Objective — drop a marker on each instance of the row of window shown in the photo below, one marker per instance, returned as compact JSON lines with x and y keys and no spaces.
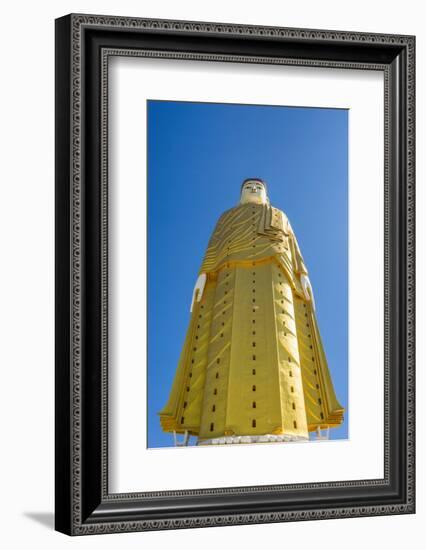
{"x":253,"y":424}
{"x":253,"y":357}
{"x":315,"y":370}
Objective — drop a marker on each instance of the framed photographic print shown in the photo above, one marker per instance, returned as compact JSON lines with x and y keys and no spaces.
{"x":234,"y":274}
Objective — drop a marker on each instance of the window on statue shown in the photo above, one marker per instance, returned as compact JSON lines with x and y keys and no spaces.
{"x":295,"y":424}
{"x":254,"y":404}
{"x":254,"y":388}
{"x":253,"y":424}
{"x":211,"y":427}
{"x":213,"y":408}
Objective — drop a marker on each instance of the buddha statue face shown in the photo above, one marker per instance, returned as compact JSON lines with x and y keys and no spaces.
{"x":253,"y":191}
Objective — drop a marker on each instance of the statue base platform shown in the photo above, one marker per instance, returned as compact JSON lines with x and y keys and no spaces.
{"x":238,"y":439}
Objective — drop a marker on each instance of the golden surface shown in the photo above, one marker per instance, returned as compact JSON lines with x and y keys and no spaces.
{"x":252,"y":362}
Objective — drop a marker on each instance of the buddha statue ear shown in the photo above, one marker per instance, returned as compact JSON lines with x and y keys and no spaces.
{"x":268,"y":202}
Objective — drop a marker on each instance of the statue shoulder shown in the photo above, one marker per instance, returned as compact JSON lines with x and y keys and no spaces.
{"x":280,"y":215}
{"x":230,"y":210}
{"x":226,"y":215}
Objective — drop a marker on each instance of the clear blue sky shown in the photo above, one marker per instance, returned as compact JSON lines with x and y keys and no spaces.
{"x":198,"y":155}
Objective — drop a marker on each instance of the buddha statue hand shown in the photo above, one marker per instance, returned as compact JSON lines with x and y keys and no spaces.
{"x":307,"y":289}
{"x":197,"y":293}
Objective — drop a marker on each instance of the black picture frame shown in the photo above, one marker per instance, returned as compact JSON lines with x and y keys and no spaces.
{"x":83,"y":45}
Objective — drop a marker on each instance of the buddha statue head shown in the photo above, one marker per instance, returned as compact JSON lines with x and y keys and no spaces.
{"x":253,"y":190}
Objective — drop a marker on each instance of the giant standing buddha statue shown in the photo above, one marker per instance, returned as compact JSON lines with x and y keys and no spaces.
{"x":252,"y":368}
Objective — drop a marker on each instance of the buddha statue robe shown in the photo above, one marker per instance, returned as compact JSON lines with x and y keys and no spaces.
{"x":253,"y":364}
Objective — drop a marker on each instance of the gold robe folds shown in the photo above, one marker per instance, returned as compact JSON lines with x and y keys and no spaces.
{"x":252,"y":362}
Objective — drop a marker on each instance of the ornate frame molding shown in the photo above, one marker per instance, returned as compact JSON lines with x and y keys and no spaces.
{"x":86,"y":507}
